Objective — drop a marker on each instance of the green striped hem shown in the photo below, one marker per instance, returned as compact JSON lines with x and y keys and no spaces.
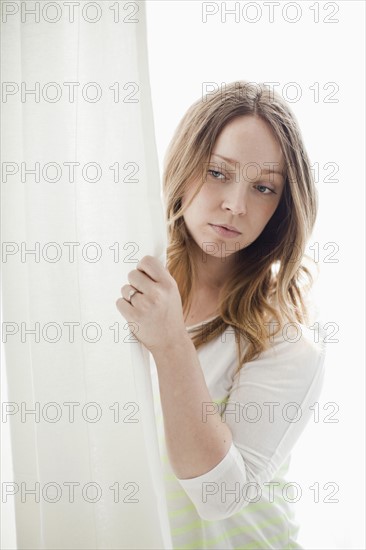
{"x":231,"y":532}
{"x":259,"y":545}
{"x":254,"y":507}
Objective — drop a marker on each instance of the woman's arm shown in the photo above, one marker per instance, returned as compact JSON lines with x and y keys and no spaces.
{"x":280,"y":388}
{"x":195,"y":442}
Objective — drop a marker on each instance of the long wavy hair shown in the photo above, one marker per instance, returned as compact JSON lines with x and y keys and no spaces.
{"x":269,"y":282}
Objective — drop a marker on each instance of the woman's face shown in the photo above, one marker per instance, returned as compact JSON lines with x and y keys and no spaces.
{"x":243,"y":193}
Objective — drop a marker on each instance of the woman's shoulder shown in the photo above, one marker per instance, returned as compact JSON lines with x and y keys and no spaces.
{"x":295,"y":351}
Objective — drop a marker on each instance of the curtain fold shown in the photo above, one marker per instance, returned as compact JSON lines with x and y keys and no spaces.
{"x":86,"y":461}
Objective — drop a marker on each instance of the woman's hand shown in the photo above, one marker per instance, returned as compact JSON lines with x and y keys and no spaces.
{"x":156,"y":308}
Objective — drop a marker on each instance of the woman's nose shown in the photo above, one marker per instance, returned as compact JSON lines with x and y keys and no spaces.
{"x":236,"y":201}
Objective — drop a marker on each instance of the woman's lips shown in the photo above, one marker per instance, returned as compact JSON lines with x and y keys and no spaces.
{"x":224,"y":232}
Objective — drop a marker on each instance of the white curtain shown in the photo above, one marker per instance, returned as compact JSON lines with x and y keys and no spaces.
{"x":86,"y":463}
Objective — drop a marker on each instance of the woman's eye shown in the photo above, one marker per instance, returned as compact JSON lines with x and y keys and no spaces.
{"x":261,"y":188}
{"x":265,"y":187}
{"x":214,"y":174}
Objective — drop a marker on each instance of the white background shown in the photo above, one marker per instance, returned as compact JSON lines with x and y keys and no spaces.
{"x":184,"y":53}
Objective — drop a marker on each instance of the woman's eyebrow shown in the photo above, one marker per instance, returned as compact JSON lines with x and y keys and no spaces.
{"x":271,"y":171}
{"x":263,"y":170}
{"x":230,"y":161}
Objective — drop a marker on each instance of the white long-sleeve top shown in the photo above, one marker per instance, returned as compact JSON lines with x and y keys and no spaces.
{"x":245,"y":501}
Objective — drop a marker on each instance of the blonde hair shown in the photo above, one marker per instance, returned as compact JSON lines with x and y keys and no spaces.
{"x":269,"y":279}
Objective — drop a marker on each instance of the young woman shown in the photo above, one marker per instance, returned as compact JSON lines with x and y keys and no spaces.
{"x":227,"y":321}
